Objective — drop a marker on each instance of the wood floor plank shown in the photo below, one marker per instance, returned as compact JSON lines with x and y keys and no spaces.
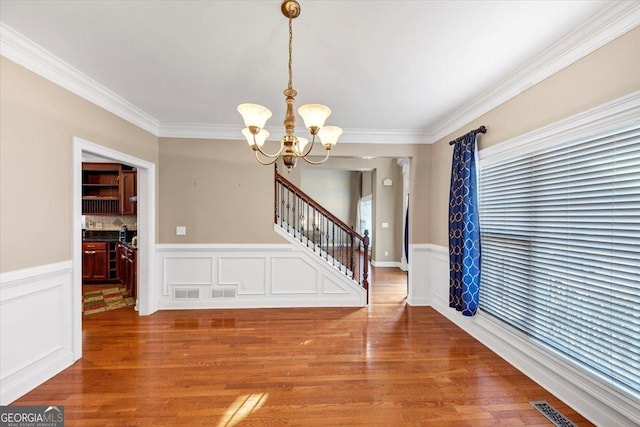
{"x":387,"y":365}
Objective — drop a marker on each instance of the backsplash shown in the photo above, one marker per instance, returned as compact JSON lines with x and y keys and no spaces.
{"x":110,"y":222}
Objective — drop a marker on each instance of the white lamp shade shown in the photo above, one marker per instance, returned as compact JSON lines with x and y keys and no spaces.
{"x":329,"y":135}
{"x":302,"y":144}
{"x":260,"y":137}
{"x":314,"y":114}
{"x":254,"y":114}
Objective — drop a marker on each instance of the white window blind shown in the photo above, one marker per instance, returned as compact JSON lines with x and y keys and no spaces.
{"x":561,"y":250}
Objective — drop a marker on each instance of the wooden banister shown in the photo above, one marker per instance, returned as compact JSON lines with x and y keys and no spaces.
{"x":288,"y":184}
{"x":333,"y":238}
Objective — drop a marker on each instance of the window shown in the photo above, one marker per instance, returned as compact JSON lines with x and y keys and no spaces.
{"x":365,"y":221}
{"x":561,"y":249}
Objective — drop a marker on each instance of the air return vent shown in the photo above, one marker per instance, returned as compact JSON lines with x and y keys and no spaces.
{"x":552,"y":414}
{"x":186,"y":293}
{"x":224,"y":292}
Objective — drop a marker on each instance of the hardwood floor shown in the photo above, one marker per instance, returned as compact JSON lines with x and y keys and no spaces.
{"x":386,"y":365}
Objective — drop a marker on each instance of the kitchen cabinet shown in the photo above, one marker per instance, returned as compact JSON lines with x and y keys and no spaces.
{"x":128,"y":189}
{"x":94,"y":261}
{"x":107,"y":189}
{"x":127,"y":268}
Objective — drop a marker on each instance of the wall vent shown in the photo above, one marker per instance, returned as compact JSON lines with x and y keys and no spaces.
{"x":224,"y":292}
{"x":186,"y":293}
{"x":552,"y":414}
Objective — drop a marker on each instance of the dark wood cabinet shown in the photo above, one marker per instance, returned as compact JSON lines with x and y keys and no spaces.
{"x":127,"y":268}
{"x":107,"y":189}
{"x":94,"y":261}
{"x":128,"y":189}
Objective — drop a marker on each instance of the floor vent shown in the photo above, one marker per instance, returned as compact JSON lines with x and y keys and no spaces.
{"x":552,"y":414}
{"x":186,"y":293}
{"x":224,"y":292}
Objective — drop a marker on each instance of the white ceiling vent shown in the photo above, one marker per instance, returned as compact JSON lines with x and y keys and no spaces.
{"x":224,"y":292}
{"x":186,"y":293}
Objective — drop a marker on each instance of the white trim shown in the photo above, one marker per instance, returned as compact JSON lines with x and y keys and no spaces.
{"x":350,"y":135}
{"x":595,"y":33}
{"x":600,"y":30}
{"x":618,"y":113}
{"x":200,"y":131}
{"x":227,"y":247}
{"x":395,"y":264}
{"x":147,"y":302}
{"x":41,"y":346}
{"x":17,"y":277}
{"x":32,"y":56}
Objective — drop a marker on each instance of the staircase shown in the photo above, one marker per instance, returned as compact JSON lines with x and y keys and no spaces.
{"x":305,"y":222}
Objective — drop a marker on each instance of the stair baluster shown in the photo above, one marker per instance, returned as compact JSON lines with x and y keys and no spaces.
{"x":321,"y":231}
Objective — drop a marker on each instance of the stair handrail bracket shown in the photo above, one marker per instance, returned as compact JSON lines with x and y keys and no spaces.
{"x":320,"y":231}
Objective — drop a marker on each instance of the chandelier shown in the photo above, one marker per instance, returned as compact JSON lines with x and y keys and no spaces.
{"x":314,"y":115}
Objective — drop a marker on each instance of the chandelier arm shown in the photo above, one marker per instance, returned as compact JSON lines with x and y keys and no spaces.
{"x":269,"y":162}
{"x":310,"y":146}
{"x":319,"y":162}
{"x":271,"y":156}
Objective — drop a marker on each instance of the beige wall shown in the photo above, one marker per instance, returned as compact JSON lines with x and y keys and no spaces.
{"x":336,"y":190}
{"x":366,"y":188}
{"x":387,"y":209}
{"x":222,"y":195}
{"x":217,"y":190}
{"x":606,"y":74}
{"x":387,"y":201}
{"x":38,"y":122}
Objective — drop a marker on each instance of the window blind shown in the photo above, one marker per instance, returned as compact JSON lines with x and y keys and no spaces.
{"x":561,"y":250}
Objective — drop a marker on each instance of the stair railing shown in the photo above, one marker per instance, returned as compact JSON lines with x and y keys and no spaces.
{"x":321,"y":231}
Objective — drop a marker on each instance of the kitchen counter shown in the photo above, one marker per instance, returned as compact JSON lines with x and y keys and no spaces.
{"x":108,"y":236}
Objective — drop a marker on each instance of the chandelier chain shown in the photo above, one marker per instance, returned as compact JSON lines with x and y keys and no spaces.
{"x":290,"y":50}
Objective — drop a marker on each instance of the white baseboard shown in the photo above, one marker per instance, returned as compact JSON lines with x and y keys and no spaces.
{"x":395,"y":264}
{"x":35,"y":327}
{"x":586,"y":393}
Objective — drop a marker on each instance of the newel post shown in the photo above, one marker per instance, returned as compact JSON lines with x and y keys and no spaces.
{"x":365,"y":267}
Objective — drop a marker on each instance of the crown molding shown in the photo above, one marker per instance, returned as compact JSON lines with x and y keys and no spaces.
{"x":616,"y":20}
{"x":200,"y":131}
{"x":232,"y":132}
{"x":595,"y":33}
{"x":386,"y":136}
{"x":617,"y":114}
{"x":33,"y":57}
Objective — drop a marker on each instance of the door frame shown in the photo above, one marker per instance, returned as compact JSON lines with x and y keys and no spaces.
{"x":147,"y":302}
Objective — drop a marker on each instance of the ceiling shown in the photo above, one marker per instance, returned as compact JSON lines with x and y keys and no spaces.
{"x":392,"y":71}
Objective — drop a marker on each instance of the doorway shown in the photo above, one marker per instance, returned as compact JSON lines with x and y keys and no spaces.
{"x":147,"y":297}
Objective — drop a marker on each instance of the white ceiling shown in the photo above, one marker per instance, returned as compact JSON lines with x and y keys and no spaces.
{"x":398,"y":71}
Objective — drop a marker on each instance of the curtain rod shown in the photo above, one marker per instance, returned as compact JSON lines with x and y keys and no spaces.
{"x":481,"y":129}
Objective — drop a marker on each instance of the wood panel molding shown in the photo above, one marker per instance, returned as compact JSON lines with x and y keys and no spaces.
{"x":251,"y":276}
{"x":35,"y":327}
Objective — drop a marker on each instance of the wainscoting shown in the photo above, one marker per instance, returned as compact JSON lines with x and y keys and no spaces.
{"x":250,"y":276}
{"x":35,"y":327}
{"x":586,"y":393}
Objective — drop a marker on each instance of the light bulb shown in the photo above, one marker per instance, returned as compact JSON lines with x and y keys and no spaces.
{"x":314,"y":115}
{"x":254,"y":115}
{"x":329,"y":135}
{"x":260,"y":137}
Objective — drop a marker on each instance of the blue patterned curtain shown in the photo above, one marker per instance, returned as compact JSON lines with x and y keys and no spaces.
{"x":464,"y":228}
